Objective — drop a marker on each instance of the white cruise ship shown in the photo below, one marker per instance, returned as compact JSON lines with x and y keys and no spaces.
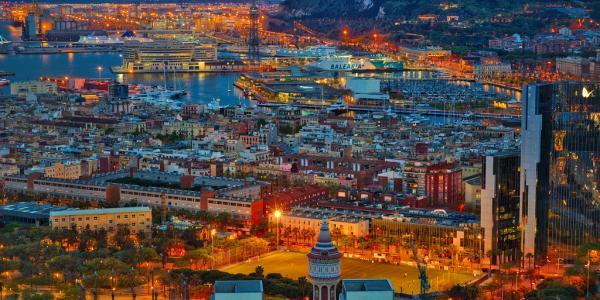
{"x":4,"y":45}
{"x":313,"y":51}
{"x":341,"y":63}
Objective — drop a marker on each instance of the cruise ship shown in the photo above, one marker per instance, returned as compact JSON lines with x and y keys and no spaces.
{"x":104,"y":40}
{"x":313,"y":51}
{"x":349,"y":63}
{"x":4,"y":45}
{"x":341,"y":63}
{"x":166,"y":56}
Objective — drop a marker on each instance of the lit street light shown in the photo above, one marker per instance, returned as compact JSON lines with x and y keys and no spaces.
{"x":277,"y":215}
{"x":99,"y":72}
{"x":213,"y":232}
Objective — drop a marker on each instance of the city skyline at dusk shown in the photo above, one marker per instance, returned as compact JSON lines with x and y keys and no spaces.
{"x":299,"y":149}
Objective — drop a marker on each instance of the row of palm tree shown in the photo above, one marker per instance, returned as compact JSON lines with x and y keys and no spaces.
{"x":298,"y":235}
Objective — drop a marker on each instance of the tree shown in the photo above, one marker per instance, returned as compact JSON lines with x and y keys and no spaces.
{"x":302,"y":284}
{"x":287,"y":232}
{"x":69,"y":266}
{"x":469,"y":292}
{"x":122,"y":237}
{"x":190,"y":237}
{"x":260,"y":228}
{"x":30,"y":294}
{"x":556,"y":289}
{"x":199,"y":255}
{"x":336,"y":233}
{"x":258,"y":272}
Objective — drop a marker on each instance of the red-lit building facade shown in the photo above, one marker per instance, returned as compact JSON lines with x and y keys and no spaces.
{"x":443,"y":184}
{"x":295,"y":196}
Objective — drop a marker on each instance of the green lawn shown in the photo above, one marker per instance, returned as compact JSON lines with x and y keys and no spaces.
{"x":294,"y":265}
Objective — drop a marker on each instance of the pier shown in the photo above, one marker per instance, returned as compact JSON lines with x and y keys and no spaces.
{"x":428,"y":112}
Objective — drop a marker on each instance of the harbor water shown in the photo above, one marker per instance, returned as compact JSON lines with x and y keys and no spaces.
{"x":201,"y":87}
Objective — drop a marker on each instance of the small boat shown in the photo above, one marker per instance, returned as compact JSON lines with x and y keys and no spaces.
{"x":4,"y":82}
{"x":339,"y":107}
{"x":246,"y":92}
{"x":215,"y":104}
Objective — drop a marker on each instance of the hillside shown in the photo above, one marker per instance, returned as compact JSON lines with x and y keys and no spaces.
{"x":395,"y":8}
{"x":479,"y":20}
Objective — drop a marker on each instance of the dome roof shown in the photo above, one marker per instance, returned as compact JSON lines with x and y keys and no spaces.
{"x":324,"y":248}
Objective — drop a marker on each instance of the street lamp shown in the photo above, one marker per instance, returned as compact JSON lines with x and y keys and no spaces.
{"x":587,"y":279}
{"x":99,"y":72}
{"x":277,"y":215}
{"x":480,"y":246}
{"x":213,"y":232}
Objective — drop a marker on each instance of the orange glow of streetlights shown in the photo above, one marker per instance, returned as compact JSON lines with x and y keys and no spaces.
{"x":374,"y":35}
{"x":277,"y":215}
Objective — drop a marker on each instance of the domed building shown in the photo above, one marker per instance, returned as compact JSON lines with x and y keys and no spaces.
{"x":324,"y":267}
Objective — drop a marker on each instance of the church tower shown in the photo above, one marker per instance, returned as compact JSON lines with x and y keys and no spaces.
{"x":324,"y":268}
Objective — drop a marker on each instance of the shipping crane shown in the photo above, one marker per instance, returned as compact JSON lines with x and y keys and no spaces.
{"x":422,"y":266}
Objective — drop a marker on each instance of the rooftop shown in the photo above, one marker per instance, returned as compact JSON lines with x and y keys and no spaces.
{"x":238,"y":286}
{"x":29,"y":208}
{"x":366,"y":285}
{"x":99,"y":211}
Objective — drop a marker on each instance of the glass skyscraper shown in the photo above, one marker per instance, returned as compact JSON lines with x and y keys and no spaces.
{"x":500,"y":206}
{"x":560,"y":160}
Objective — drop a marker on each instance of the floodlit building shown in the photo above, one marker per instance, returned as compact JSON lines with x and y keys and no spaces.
{"x":24,"y":88}
{"x":138,"y":219}
{"x":500,"y":206}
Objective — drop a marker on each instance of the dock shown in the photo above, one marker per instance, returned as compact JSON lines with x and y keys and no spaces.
{"x":5,"y":73}
{"x":429,"y":112}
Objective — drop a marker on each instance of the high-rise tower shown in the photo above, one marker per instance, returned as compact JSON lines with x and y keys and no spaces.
{"x":560,"y":159}
{"x":324,"y":267}
{"x":253,"y":38}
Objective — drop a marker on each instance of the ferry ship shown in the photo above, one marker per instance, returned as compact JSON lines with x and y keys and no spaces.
{"x":166,"y":56}
{"x":104,"y":40}
{"x":349,"y":63}
{"x":340,"y":63}
{"x":313,"y":51}
{"x":4,"y":45}
{"x":97,"y":40}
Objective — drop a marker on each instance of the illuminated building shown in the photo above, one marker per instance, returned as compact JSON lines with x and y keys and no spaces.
{"x":23,"y":88}
{"x":491,"y":71}
{"x":30,"y":28}
{"x":443,"y":184}
{"x":560,"y":159}
{"x":500,"y":206}
{"x":166,"y":56}
{"x":138,"y":219}
{"x":429,"y":229}
{"x":572,"y":65}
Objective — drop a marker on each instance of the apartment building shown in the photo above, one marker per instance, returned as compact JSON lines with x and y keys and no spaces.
{"x":138,"y":219}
